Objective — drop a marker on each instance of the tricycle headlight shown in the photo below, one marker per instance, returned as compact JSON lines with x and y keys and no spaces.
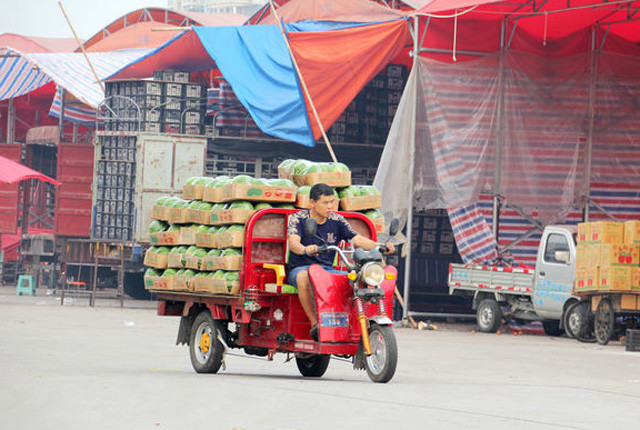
{"x":373,"y":274}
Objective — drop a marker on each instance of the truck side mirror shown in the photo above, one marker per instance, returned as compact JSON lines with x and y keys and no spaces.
{"x":394,"y":227}
{"x":563,"y":256}
{"x":310,"y":227}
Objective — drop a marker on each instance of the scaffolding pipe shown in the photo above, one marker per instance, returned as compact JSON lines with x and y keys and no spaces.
{"x":11,"y":121}
{"x":412,"y":149}
{"x":497,"y":178}
{"x":592,"y":114}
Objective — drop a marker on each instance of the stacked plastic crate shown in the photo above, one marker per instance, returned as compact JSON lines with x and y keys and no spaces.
{"x":115,"y":183}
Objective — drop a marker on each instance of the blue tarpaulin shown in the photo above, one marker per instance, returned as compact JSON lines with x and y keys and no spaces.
{"x":257,"y":64}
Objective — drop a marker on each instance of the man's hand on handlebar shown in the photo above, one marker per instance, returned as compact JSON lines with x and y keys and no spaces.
{"x":310,"y":249}
{"x":388,"y":248}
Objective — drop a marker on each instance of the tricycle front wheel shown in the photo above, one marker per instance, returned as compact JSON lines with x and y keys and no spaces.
{"x":381,"y":364}
{"x":205,"y":348}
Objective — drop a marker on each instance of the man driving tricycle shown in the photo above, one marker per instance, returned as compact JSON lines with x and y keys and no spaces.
{"x":332,"y":228}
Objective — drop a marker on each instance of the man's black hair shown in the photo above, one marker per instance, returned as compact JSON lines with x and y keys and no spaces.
{"x":319,"y":190}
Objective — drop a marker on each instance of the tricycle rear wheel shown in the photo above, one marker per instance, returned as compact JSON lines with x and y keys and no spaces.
{"x":313,"y":366}
{"x":205,"y":348}
{"x":381,"y":364}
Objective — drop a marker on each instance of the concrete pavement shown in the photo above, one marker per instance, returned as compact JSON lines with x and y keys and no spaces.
{"x":76,"y":367}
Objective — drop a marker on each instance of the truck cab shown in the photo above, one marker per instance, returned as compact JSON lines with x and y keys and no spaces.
{"x":555,"y":271}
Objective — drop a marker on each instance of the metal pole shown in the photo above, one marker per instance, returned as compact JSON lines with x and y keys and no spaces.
{"x":592,"y":113}
{"x":412,"y":150}
{"x":497,"y":178}
{"x":304,"y":84}
{"x":121,"y":286}
{"x":11,"y":121}
{"x":86,"y":57}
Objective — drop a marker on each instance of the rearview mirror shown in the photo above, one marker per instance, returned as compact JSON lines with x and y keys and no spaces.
{"x":563,"y":256}
{"x":394,"y":227}
{"x":310,"y":227}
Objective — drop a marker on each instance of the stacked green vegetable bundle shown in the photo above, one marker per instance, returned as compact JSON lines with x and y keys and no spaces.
{"x":352,"y":198}
{"x":198,"y":243}
{"x":198,"y":240}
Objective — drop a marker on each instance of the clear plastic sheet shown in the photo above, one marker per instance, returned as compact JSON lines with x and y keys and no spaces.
{"x":540,"y":135}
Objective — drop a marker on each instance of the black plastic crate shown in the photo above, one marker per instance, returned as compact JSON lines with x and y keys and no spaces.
{"x":173,"y":89}
{"x":171,"y":76}
{"x":148,"y":101}
{"x":172,"y":115}
{"x":172,"y":103}
{"x":171,"y":127}
{"x":191,"y":118}
{"x":192,"y":91}
{"x":192,"y":129}
{"x":633,"y":340}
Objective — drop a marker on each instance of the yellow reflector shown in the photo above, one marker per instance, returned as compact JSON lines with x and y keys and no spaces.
{"x":352,"y":276}
{"x":390,"y":276}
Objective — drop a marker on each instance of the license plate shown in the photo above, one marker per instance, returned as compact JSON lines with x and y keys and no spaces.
{"x":334,"y":319}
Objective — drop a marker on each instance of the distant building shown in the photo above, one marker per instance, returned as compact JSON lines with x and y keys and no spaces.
{"x":243,"y":7}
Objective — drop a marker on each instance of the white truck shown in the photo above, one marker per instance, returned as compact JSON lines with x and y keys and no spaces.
{"x":524,"y":295}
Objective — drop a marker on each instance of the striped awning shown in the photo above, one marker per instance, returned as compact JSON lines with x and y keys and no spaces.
{"x":21,"y":73}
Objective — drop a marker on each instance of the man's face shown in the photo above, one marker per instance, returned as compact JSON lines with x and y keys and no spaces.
{"x":324,"y":205}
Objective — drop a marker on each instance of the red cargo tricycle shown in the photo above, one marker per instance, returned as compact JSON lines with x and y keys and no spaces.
{"x":266,"y":317}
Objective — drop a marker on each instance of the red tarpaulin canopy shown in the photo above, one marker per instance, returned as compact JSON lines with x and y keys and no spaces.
{"x":11,"y":172}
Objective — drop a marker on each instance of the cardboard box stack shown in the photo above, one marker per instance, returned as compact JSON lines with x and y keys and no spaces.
{"x":351,"y":198}
{"x":608,"y":256}
{"x":198,"y":243}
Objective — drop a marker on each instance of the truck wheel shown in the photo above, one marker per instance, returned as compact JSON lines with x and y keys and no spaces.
{"x":552,"y":328}
{"x":205,"y":348}
{"x":604,"y":322}
{"x":313,"y":366}
{"x":381,"y":364}
{"x":489,"y":316}
{"x":577,"y":322}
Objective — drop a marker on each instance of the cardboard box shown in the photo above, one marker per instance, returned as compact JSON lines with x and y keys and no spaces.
{"x":213,"y":195}
{"x":583,"y":233}
{"x":160,"y":212}
{"x":174,"y":283}
{"x":192,"y":262}
{"x":232,"y":262}
{"x":635,"y":279}
{"x":606,"y":232}
{"x":303,"y":201}
{"x":285,"y":173}
{"x":361,"y":203}
{"x":230,"y":216}
{"x":210,"y":263}
{"x":186,"y":236}
{"x":580,"y":281}
{"x":193,"y":191}
{"x":581,"y":256}
{"x":333,"y":179}
{"x":177,"y":261}
{"x":632,"y":232}
{"x":592,"y":278}
{"x":152,"y":259}
{"x":206,"y":240}
{"x":230,"y":239}
{"x":615,"y":278}
{"x":150,"y":281}
{"x":378,"y":224}
{"x":617,"y":254}
{"x":198,"y":216}
{"x":178,"y":215}
{"x":209,"y":285}
{"x":260,"y":193}
{"x":628,"y":302}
